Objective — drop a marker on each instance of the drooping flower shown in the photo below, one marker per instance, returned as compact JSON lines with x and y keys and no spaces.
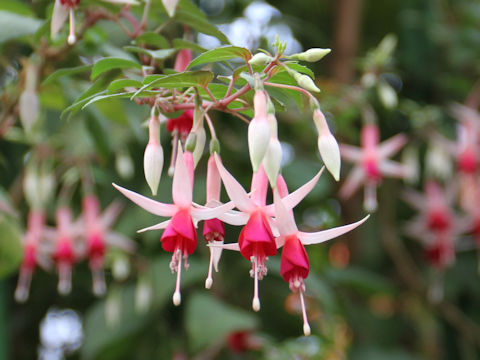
{"x":213,"y":229}
{"x":294,"y":265}
{"x":31,"y":256}
{"x":327,"y":145}
{"x":372,"y":164}
{"x":258,"y":130}
{"x":256,"y":241}
{"x":98,"y":236}
{"x":179,"y":236}
{"x":153,"y":157}
{"x":64,"y":255}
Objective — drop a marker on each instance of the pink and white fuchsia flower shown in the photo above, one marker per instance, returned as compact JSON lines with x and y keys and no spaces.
{"x":257,"y":240}
{"x":294,"y":265}
{"x":180,"y":236}
{"x":372,"y":164}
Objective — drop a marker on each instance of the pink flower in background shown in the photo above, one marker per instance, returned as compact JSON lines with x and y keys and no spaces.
{"x":372,"y":164}
{"x":256,"y":241}
{"x":96,"y":229}
{"x":31,"y":255}
{"x":294,"y":265}
{"x":180,"y":236}
{"x":64,"y":255}
{"x":183,"y":58}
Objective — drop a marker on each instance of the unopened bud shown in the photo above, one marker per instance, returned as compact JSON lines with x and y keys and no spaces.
{"x":327,"y":145}
{"x":387,"y":95}
{"x":260,"y":59}
{"x":143,"y":296}
{"x":121,"y":268}
{"x":258,"y":140}
{"x":272,"y":160}
{"x":214,"y":146}
{"x":124,"y":165}
{"x":152,"y":165}
{"x":191,"y":142}
{"x":200,"y":146}
{"x":305,"y":82}
{"x":312,"y":55}
{"x":28,"y":106}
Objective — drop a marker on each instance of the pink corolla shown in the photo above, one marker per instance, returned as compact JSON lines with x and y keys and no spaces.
{"x":294,"y":265}
{"x":31,"y":254}
{"x":256,"y":241}
{"x":372,"y":163}
{"x":179,"y":236}
{"x":182,"y":60}
{"x":96,"y":229}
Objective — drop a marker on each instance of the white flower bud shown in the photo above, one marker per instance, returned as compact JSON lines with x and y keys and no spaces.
{"x":313,"y":55}
{"x":327,"y":145}
{"x":305,"y":82}
{"x":387,"y":95}
{"x":258,"y":140}
{"x":272,"y":160}
{"x":28,"y":106}
{"x":260,"y":59}
{"x":152,"y":165}
{"x":143,"y":296}
{"x":199,"y":146}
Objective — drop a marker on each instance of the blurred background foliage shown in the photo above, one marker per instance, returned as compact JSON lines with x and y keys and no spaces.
{"x":361,"y":299}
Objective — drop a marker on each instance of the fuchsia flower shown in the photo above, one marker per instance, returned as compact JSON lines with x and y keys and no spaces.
{"x":182,"y":124}
{"x":294,"y":265}
{"x":436,"y":225}
{"x":61,"y":10}
{"x":180,"y":236}
{"x":256,"y":241}
{"x":98,"y":237}
{"x":468,"y":136}
{"x":182,"y":60}
{"x":371,"y":164}
{"x":31,"y":256}
{"x":63,"y":254}
{"x":213,"y":229}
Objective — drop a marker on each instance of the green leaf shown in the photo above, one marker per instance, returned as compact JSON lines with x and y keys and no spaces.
{"x":110,"y":63}
{"x":152,"y":39}
{"x":65,"y":72}
{"x":10,"y":246}
{"x":208,"y":320}
{"x":300,"y":68}
{"x":15,"y":25}
{"x":156,"y":54}
{"x":120,"y":84}
{"x":221,"y":54}
{"x":96,"y":98}
{"x":180,"y":80}
{"x":200,"y":24}
{"x":185,"y":44}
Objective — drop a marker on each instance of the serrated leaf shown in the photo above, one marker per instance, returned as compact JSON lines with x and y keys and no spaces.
{"x":15,"y":25}
{"x":180,"y":80}
{"x":65,"y":72}
{"x":152,"y":39}
{"x":120,"y":84}
{"x":110,"y":63}
{"x":156,"y":54}
{"x":185,"y":44}
{"x":200,"y":24}
{"x":221,"y":54}
{"x":202,"y":308}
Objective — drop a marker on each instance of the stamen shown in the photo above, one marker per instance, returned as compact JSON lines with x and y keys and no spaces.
{"x":98,"y":279}
{"x":64,"y":278}
{"x":306,"y":326}
{"x":209,"y":280}
{"x":171,"y":168}
{"x":23,"y":286}
{"x":177,"y":298}
{"x":71,"y":36}
{"x":256,"y":300}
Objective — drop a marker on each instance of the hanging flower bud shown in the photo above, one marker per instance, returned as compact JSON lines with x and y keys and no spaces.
{"x":143,"y":295}
{"x":273,"y":157}
{"x":387,"y":95}
{"x":258,"y":130}
{"x":327,"y":145}
{"x":28,"y":103}
{"x":260,"y":59}
{"x":120,"y":267}
{"x":153,"y":157}
{"x":311,"y":55}
{"x":305,"y":82}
